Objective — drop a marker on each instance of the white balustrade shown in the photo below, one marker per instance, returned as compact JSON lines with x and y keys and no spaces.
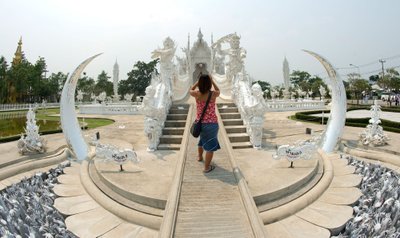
{"x":277,"y":106}
{"x":110,"y":109}
{"x":25,"y":106}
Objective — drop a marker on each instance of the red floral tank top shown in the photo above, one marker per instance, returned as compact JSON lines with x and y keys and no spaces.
{"x":209,"y":115}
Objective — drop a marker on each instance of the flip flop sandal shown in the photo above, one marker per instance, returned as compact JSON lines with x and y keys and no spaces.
{"x":211,"y":168}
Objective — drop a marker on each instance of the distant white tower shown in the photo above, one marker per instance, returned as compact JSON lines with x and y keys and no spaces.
{"x":286,"y":73}
{"x":115,"y":80}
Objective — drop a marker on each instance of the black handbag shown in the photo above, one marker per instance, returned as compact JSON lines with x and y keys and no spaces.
{"x":195,"y":129}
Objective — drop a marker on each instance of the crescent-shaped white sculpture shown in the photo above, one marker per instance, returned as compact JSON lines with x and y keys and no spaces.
{"x":69,"y":120}
{"x":337,"y":116}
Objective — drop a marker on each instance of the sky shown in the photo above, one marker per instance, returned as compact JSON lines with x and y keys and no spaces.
{"x":357,"y":32}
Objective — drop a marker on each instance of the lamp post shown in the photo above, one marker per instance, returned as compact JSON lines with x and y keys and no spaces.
{"x":358,"y":68}
{"x":383,"y":69}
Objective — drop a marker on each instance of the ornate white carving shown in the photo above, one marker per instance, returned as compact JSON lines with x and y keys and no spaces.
{"x":235,"y":52}
{"x":32,"y":143}
{"x":114,"y":154}
{"x":102,"y":97}
{"x":128,"y":97}
{"x":373,"y":134}
{"x":299,"y":150}
{"x":79,"y":96}
{"x":251,"y":105}
{"x":158,"y":99}
{"x":234,"y":65}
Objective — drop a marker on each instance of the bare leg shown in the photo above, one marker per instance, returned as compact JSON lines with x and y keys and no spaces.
{"x":209,"y":156}
{"x":200,"y":156}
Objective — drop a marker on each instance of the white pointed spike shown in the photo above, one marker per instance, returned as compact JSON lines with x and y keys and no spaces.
{"x":69,"y":120}
{"x":337,"y":118}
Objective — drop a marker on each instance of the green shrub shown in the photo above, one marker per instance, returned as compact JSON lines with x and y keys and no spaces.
{"x":355,"y":122}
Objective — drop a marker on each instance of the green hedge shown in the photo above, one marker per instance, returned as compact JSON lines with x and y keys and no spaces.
{"x":355,"y":122}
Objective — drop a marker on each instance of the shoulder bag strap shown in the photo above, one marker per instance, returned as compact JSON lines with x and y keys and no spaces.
{"x":205,"y":106}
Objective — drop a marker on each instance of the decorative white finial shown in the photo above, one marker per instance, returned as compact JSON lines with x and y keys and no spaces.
{"x":373,"y":134}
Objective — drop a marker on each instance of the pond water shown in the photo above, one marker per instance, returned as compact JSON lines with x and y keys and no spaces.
{"x":15,"y":126}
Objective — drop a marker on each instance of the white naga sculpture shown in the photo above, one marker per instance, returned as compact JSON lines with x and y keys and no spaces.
{"x":252,"y":107}
{"x":32,"y":143}
{"x":158,"y":98}
{"x":373,"y":134}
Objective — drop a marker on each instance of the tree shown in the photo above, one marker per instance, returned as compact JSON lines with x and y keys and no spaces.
{"x":138,"y":78}
{"x":299,"y":78}
{"x":357,"y":85}
{"x":86,"y":85}
{"x":390,"y":80}
{"x":19,"y":83}
{"x":56,"y":83}
{"x":3,"y":79}
{"x":304,"y":81}
{"x":373,"y":78}
{"x":103,"y":84}
{"x":394,"y":79}
{"x":39,"y":83}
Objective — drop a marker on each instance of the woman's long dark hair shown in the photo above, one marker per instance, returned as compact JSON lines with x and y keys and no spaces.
{"x":204,"y":83}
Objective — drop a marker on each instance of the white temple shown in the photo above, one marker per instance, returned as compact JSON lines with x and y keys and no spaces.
{"x":222,"y":63}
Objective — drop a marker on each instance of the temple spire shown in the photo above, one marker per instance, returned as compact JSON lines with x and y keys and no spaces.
{"x":115,"y":79}
{"x":18,"y":53}
{"x":286,"y":73}
{"x":200,"y":35}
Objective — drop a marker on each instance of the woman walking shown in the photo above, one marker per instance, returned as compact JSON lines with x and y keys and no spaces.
{"x":209,"y":124}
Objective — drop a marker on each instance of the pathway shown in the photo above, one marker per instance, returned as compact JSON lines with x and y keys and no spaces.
{"x":210,"y":204}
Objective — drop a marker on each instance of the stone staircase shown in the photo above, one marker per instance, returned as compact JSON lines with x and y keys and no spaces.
{"x":234,"y":126}
{"x":174,"y":126}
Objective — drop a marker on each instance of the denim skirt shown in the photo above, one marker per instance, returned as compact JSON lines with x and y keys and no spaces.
{"x":209,"y":137}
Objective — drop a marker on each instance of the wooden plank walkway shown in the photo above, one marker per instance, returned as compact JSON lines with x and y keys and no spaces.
{"x":210,"y":204}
